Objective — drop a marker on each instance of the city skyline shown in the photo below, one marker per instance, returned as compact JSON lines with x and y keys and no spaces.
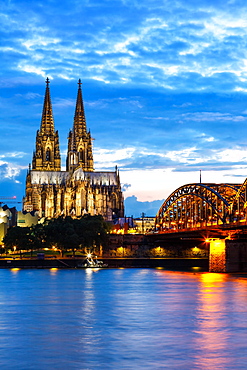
{"x":164,"y":88}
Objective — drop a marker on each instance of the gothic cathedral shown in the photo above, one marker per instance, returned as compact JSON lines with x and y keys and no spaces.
{"x":79,"y":190}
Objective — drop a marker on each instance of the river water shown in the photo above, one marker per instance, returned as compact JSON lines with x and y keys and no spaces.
{"x":122,"y":319}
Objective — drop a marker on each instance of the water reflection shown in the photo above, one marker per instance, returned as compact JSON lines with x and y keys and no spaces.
{"x":14,"y":270}
{"x":53,"y":270}
{"x":122,"y":319}
{"x":212,"y":336}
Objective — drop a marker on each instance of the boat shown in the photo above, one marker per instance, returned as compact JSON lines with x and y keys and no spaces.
{"x":89,"y":262}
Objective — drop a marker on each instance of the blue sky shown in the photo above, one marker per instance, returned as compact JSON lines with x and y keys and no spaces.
{"x":164,"y":86}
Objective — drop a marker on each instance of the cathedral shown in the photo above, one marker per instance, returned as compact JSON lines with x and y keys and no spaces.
{"x":79,"y":190}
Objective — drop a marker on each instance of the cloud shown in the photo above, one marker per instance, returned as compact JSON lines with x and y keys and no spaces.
{"x":29,"y":96}
{"x":237,"y":155}
{"x":136,"y":208}
{"x":9,"y":171}
{"x":129,"y":43}
{"x":109,"y":158}
{"x":157,"y":118}
{"x":188,"y":159}
{"x":13,"y":155}
{"x":103,"y":103}
{"x":212,"y":116}
{"x":40,"y":42}
{"x":63,"y":103}
{"x":31,"y":69}
{"x":164,"y":85}
{"x":184,"y":105}
{"x":125,"y":186}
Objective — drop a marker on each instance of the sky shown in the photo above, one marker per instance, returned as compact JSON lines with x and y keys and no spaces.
{"x":164,"y":89}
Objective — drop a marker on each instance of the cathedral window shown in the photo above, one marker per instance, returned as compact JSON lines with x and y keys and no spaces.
{"x":81,"y":155}
{"x":114,"y":201}
{"x":48,"y":155}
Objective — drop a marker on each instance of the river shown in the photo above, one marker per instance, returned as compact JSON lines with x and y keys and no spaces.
{"x":122,"y":319}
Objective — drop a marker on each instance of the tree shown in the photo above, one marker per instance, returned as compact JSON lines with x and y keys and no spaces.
{"x":18,"y":237}
{"x":60,"y":232}
{"x":92,"y":231}
{"x":65,"y":233}
{"x":38,"y":237}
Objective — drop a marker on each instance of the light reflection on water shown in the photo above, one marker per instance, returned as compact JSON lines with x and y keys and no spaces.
{"x":122,"y":319}
{"x":211,"y":341}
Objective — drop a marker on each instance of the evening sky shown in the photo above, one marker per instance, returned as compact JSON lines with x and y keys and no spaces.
{"x":164,"y":87}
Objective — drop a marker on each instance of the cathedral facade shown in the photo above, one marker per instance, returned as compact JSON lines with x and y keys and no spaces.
{"x":79,"y":190}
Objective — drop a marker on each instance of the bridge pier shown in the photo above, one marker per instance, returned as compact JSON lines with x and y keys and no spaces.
{"x":227,"y":255}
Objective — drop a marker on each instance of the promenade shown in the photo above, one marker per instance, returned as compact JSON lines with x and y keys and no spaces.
{"x":187,"y":264}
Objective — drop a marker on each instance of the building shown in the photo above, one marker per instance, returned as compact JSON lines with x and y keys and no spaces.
{"x":144,"y":225}
{"x":130,"y":225}
{"x":7,"y":219}
{"x":27,"y":219}
{"x":79,"y":190}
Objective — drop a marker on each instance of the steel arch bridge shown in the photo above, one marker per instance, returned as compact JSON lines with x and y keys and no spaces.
{"x":200,"y":205}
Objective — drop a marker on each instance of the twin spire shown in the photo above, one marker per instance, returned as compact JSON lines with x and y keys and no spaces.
{"x":79,"y":127}
{"x":47,"y":154}
{"x":47,"y":122}
{"x":80,"y":152}
{"x":79,"y":110}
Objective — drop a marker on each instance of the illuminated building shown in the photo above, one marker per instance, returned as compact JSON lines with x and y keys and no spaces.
{"x":79,"y":190}
{"x":27,"y":219}
{"x":7,"y":219}
{"x":144,"y":225}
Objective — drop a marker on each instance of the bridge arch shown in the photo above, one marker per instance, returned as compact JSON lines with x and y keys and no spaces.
{"x":197,"y":205}
{"x":239,"y":204}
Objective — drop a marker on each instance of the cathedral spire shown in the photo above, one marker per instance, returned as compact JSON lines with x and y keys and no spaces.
{"x":47,"y":154}
{"x":80,"y":141}
{"x":47,"y":122}
{"x":80,"y":127}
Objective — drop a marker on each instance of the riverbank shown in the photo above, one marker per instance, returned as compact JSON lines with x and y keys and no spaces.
{"x":187,"y":264}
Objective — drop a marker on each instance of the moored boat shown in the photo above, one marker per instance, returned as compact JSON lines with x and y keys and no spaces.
{"x":89,"y":262}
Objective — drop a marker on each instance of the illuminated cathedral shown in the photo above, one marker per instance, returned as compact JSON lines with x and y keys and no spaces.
{"x":79,"y":190}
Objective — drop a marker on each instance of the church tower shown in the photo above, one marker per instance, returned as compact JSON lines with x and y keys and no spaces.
{"x":79,"y":190}
{"x":46,"y":157}
{"x":80,"y":153}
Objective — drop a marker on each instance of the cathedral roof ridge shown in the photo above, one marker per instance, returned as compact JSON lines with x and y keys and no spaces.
{"x":48,"y":177}
{"x":103,"y":172}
